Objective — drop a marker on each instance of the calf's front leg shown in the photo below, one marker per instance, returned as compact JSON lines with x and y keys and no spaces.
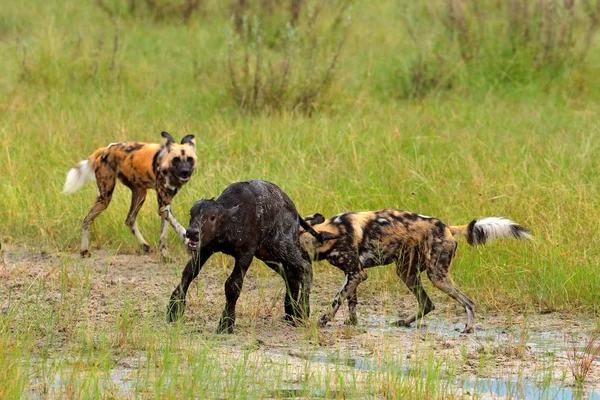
{"x":177,"y":302}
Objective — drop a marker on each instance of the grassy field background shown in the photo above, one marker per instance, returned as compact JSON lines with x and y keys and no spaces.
{"x":506,"y":138}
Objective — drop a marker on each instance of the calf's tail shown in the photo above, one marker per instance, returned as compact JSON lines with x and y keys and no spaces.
{"x":308,"y":228}
{"x":483,"y":231}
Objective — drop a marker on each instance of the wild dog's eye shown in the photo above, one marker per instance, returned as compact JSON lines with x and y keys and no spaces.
{"x":176,"y":160}
{"x":212,"y":218}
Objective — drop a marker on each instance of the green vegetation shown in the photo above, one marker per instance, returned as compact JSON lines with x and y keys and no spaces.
{"x":457,"y":109}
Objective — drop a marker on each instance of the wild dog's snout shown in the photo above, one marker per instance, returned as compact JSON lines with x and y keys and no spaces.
{"x":192,"y":234}
{"x":186,"y":172}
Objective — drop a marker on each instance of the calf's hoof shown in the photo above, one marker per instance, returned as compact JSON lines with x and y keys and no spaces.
{"x":175,"y":309}
{"x":85,"y":253}
{"x":225,"y":325}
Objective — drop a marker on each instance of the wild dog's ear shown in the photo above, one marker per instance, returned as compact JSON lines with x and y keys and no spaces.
{"x":189,"y":139}
{"x":328,"y":236}
{"x":314,"y":219}
{"x":168,"y":138}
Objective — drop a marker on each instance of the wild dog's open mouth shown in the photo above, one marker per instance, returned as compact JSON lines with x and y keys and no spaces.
{"x":193,"y":245}
{"x":184,"y":180}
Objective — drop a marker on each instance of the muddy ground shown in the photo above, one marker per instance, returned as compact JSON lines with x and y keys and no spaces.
{"x":504,"y":347}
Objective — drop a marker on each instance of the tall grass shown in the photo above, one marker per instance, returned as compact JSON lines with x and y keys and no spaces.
{"x":510,"y":138}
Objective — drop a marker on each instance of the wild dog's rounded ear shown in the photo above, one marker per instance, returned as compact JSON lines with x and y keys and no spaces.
{"x":168,"y":138}
{"x":328,"y":236}
{"x":189,"y":139}
{"x":314,"y":219}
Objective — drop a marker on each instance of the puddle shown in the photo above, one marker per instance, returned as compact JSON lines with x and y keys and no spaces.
{"x":526,"y":390}
{"x":539,"y":341}
{"x":504,"y":388}
{"x":304,"y":393}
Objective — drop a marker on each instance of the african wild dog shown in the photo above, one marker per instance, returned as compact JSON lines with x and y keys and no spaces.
{"x":249,"y":219}
{"x":139,"y":166}
{"x":355,"y":241}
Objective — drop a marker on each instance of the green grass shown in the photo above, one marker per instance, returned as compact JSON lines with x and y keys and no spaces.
{"x":527,"y":150}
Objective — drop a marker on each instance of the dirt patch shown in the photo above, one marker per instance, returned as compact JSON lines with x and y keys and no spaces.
{"x":504,"y":347}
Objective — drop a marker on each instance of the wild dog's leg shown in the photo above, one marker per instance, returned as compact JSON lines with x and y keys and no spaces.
{"x":164,"y":209}
{"x":233,"y":288}
{"x":354,"y":276}
{"x":408,"y":270}
{"x":177,"y":301}
{"x":106,"y":185}
{"x":138,"y":196}
{"x":352,"y":302}
{"x":438,"y":272}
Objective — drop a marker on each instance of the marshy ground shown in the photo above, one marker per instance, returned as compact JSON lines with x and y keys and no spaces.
{"x":99,"y":328}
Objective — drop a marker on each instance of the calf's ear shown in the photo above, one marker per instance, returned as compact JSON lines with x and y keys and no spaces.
{"x":231,"y":211}
{"x":168,"y":138}
{"x":328,"y":236}
{"x":189,"y":139}
{"x":314,"y":219}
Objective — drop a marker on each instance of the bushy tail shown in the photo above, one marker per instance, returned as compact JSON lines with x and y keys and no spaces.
{"x":78,"y":176}
{"x":483,"y":231}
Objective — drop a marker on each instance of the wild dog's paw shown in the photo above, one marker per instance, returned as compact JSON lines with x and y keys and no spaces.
{"x":400,"y":323}
{"x":323,"y":320}
{"x":467,"y":330}
{"x":166,"y":259}
{"x":147,"y":249}
{"x":351,"y":320}
{"x":85,"y":254}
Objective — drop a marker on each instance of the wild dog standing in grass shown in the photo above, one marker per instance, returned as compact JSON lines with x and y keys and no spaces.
{"x":139,"y":166}
{"x":355,"y":241}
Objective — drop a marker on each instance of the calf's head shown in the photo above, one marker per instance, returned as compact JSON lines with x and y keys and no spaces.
{"x":208,"y":222}
{"x":178,"y":160}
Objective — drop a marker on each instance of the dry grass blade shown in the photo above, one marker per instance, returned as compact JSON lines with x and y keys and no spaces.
{"x":581,"y":363}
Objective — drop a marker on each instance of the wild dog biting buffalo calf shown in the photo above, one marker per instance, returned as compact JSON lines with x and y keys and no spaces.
{"x":355,"y":241}
{"x":249,"y":219}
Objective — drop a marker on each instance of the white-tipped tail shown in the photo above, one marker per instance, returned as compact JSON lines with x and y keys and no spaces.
{"x":78,"y":176}
{"x":486,"y":230}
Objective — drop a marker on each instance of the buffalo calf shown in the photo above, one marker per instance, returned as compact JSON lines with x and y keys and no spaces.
{"x":249,"y":219}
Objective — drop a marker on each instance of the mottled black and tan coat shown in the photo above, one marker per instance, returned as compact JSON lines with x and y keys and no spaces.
{"x":139,"y":166}
{"x":355,"y":241}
